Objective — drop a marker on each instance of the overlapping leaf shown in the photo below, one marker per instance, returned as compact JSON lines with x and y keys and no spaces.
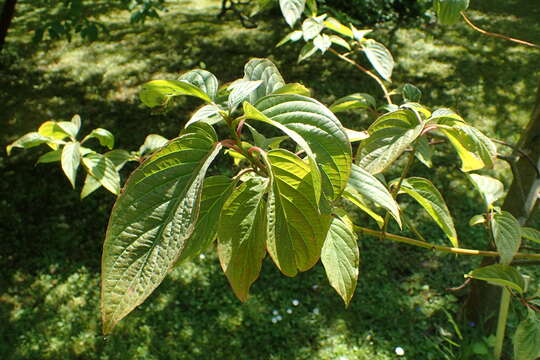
{"x":427,"y":195}
{"x":102,"y":169}
{"x":390,"y":135}
{"x":507,"y":234}
{"x":151,"y":221}
{"x":309,"y":122}
{"x":70,"y":160}
{"x":296,"y":228}
{"x":491,"y":189}
{"x":380,"y":57}
{"x":530,"y":234}
{"x":341,"y":258}
{"x":242,"y":235}
{"x":292,"y":10}
{"x":499,"y":274}
{"x":269,"y":75}
{"x":353,"y":101}
{"x":159,"y":92}
{"x":204,"y":80}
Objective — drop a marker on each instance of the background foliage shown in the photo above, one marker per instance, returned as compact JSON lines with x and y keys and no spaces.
{"x":49,"y":290}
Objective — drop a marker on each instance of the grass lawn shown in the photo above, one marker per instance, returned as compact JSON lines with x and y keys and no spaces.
{"x":51,"y":241}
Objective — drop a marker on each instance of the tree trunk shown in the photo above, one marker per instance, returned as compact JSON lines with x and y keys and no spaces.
{"x":8,"y":11}
{"x":482,"y":303}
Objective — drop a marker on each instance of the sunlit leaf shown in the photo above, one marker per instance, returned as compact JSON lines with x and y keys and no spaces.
{"x":380,"y":57}
{"x":424,"y":152}
{"x":292,"y":36}
{"x":240,"y":91}
{"x":501,"y":275}
{"x":530,"y":234}
{"x":159,"y":92}
{"x":507,"y":234}
{"x":292,"y":10}
{"x":311,"y":27}
{"x":242,"y":235}
{"x":152,"y":143}
{"x":151,"y":220}
{"x":307,"y":50}
{"x":265,"y":71}
{"x":105,"y":137}
{"x":103,"y":170}
{"x":341,"y":258}
{"x":28,"y":141}
{"x":353,"y":101}
{"x":204,"y":80}
{"x":71,"y":158}
{"x":334,"y":24}
{"x":491,"y":189}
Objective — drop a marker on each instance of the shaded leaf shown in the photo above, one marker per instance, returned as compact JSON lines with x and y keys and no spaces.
{"x":307,"y":50}
{"x":91,"y":184}
{"x":526,"y":343}
{"x":424,"y":152}
{"x":507,"y":235}
{"x":71,"y":158}
{"x":103,"y":170}
{"x":411,"y":93}
{"x":353,"y":101}
{"x":269,"y":75}
{"x":51,"y":156}
{"x":501,"y":275}
{"x":448,"y":11}
{"x":530,"y":234}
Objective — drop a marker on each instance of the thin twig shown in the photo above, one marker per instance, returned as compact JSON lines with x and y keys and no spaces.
{"x":462,"y":286}
{"x":363,"y":69}
{"x":500,"y":36}
{"x":520,"y":152}
{"x":441,"y":248}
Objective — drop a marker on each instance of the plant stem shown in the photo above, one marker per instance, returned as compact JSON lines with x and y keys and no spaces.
{"x":441,"y":248}
{"x":363,"y":69}
{"x":501,"y":322}
{"x":500,"y":36}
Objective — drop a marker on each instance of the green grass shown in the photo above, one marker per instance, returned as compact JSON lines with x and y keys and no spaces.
{"x":51,"y":242}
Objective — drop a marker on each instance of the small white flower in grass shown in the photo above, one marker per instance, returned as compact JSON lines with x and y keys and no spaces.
{"x":399,"y":351}
{"x":279,"y":318}
{"x":295,"y":302}
{"x":275,"y":312}
{"x":289,"y":311}
{"x":202,"y":256}
{"x":316,"y":311}
{"x":343,"y":358}
{"x":274,"y":320}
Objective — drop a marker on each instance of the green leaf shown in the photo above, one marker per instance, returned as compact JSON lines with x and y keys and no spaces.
{"x":307,"y":50}
{"x":265,"y":71}
{"x":355,"y":136}
{"x":51,"y":156}
{"x":240,"y":91}
{"x":448,"y":11}
{"x":380,"y":57}
{"x":340,"y":41}
{"x":105,"y":137}
{"x":411,"y":93}
{"x":292,"y":10}
{"x":263,"y":142}
{"x":353,"y":196}
{"x":216,"y":190}
{"x":507,"y":235}
{"x":477,"y":219}
{"x":425,"y":193}
{"x":242,"y":235}
{"x":120,"y":157}
{"x":353,"y":101}
{"x":52,"y":130}
{"x":293,"y":88}
{"x":319,"y":128}
{"x":209,"y":114}
{"x":341,"y":258}
{"x":103,"y":170}
{"x":530,"y":234}
{"x":501,"y":275}
{"x":152,"y":143}
{"x":204,"y":80}
{"x":71,"y":158}
{"x":91,"y":184}
{"x":296,"y":227}
{"x":372,"y":189}
{"x":390,"y":135}
{"x":526,"y":344}
{"x":491,"y":189}
{"x":424,"y":152}
{"x":311,"y":27}
{"x":334,"y":24}
{"x":475,"y":149}
{"x":152,"y":219}
{"x":312,"y":6}
{"x":292,"y":36}
{"x":28,"y":141}
{"x":359,"y":35}
{"x":159,"y":92}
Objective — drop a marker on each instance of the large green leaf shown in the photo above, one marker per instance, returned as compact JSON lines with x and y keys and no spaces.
{"x":159,"y":92}
{"x":353,"y":101}
{"x":292,"y":10}
{"x":507,"y":234}
{"x":241,"y":90}
{"x":474,"y":148}
{"x":427,"y":195}
{"x":242,"y":235}
{"x":372,"y":189}
{"x":334,"y":24}
{"x":380,"y":57}
{"x":296,"y":227}
{"x":448,"y":11}
{"x":491,"y":189}
{"x":530,"y":234}
{"x":265,"y":71}
{"x":151,"y":220}
{"x":216,"y":190}
{"x":526,"y":339}
{"x":390,"y":135}
{"x":209,"y":114}
{"x":204,"y":80}
{"x":311,"y":27}
{"x":71,"y":158}
{"x":103,"y":170}
{"x":91,"y":184}
{"x":353,"y":196}
{"x":341,"y":257}
{"x":501,"y":275}
{"x":319,"y":128}
{"x":51,"y":156}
